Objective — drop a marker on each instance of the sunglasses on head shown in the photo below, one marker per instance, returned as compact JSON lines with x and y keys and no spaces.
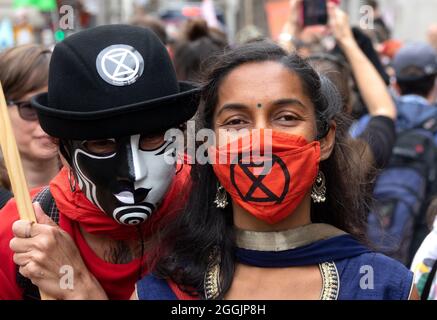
{"x":25,"y":110}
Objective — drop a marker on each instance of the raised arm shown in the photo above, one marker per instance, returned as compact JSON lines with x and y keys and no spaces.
{"x":292,"y":27}
{"x":371,"y":85}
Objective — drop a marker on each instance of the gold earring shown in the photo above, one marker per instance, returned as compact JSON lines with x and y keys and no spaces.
{"x":318,"y":193}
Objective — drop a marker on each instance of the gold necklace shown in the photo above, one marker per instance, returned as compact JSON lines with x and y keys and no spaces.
{"x":211,"y":282}
{"x":330,"y":281}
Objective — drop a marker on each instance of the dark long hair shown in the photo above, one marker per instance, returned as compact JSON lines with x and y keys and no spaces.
{"x":189,"y":241}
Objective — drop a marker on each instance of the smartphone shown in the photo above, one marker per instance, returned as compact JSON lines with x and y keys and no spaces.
{"x":315,"y":12}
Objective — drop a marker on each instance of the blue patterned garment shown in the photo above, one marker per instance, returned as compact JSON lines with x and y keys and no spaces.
{"x":361,"y":273}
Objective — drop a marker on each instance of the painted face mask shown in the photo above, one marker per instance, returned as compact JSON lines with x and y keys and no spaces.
{"x":268,"y":184}
{"x":126,"y":177}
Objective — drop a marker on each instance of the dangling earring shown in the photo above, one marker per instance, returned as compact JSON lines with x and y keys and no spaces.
{"x":318,"y":193}
{"x":71,"y":177}
{"x":221,"y":197}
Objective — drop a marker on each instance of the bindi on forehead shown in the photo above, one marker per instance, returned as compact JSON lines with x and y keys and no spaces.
{"x":259,"y":105}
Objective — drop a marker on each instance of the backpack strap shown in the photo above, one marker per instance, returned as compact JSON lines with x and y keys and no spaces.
{"x":428,"y":283}
{"x":5,"y":196}
{"x":48,"y":205}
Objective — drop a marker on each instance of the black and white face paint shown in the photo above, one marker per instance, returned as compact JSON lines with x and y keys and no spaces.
{"x":126,"y":178}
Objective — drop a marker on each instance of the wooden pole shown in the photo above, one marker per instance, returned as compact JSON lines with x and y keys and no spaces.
{"x":13,"y":165}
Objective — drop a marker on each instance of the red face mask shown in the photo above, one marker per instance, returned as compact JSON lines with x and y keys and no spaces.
{"x":268,"y":177}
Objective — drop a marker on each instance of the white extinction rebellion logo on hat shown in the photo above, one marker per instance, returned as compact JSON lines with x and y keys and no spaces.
{"x":120,"y":65}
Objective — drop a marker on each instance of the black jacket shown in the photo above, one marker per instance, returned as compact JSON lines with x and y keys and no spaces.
{"x":5,"y":195}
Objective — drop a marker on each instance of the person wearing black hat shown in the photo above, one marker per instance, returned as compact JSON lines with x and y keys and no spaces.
{"x":112,"y":95}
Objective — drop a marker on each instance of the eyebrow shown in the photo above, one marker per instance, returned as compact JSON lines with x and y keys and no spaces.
{"x":232,"y":107}
{"x":289,"y":101}
{"x":278,"y":103}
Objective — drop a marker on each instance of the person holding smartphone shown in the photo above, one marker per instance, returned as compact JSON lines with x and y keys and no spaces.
{"x":306,"y":29}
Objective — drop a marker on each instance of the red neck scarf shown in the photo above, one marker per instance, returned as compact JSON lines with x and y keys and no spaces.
{"x":77,"y":207}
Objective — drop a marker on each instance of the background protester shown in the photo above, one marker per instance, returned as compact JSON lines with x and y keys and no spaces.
{"x":153,"y":23}
{"x":424,"y":264}
{"x":326,"y":39}
{"x":416,"y":71}
{"x":379,"y":135}
{"x":197,"y":44}
{"x":397,"y":223}
{"x":23,"y":74}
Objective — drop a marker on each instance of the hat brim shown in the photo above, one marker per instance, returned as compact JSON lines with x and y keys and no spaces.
{"x":139,"y":118}
{"x":416,"y":78}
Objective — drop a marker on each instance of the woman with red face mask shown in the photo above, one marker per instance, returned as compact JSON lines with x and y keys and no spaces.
{"x":293,"y":231}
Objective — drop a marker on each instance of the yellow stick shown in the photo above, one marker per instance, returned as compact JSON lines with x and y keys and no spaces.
{"x":13,"y":165}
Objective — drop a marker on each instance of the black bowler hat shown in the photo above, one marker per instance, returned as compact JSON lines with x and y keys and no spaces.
{"x":113,"y":81}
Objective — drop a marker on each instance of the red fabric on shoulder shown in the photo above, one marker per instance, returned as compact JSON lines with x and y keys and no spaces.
{"x":9,"y":289}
